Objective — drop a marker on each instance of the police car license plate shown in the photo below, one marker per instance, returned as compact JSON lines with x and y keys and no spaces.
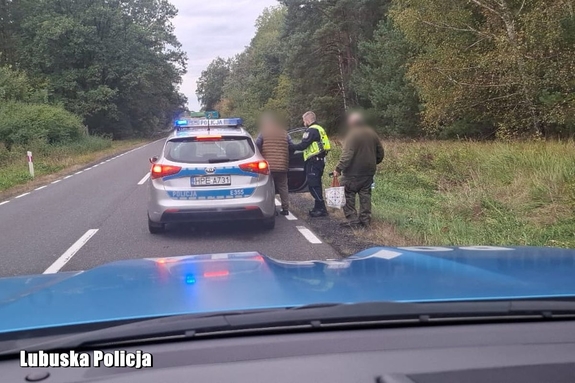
{"x":211,"y":181}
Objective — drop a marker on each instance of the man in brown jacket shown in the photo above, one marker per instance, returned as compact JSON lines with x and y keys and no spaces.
{"x":358,"y":163}
{"x":273,"y":142}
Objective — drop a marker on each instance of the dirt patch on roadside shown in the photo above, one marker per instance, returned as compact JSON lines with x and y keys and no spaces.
{"x":345,"y":241}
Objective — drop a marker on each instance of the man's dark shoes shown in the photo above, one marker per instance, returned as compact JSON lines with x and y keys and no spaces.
{"x":318,"y":213}
{"x":284,"y":212}
{"x":354,"y":225}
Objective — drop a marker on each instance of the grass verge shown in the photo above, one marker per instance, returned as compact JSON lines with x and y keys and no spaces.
{"x":50,"y":160}
{"x":469,"y":193}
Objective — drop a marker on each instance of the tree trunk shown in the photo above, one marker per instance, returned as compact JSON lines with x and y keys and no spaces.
{"x":509,"y":21}
{"x":342,"y":81}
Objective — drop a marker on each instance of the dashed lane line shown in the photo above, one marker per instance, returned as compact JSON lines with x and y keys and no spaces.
{"x":94,"y":166}
{"x":144,"y":179}
{"x":291,"y":217}
{"x":308,"y":235}
{"x":68,"y":254}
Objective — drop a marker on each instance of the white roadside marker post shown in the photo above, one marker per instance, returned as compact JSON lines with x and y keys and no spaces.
{"x":30,"y":163}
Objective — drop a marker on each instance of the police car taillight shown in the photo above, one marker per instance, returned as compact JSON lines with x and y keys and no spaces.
{"x":159,"y":171}
{"x":260,"y":167}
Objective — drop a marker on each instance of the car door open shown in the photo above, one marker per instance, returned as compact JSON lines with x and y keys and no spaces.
{"x":297,"y":180}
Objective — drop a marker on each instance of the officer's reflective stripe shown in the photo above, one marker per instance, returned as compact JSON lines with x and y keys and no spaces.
{"x":317,"y":147}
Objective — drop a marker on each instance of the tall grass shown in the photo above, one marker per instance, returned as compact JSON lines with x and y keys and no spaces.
{"x":47,"y":158}
{"x":469,"y":193}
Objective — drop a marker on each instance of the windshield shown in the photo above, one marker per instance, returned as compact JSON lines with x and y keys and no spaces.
{"x":225,"y":149}
{"x":176,"y":158}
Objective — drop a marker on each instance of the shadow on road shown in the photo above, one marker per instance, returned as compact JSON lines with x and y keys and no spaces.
{"x":248,"y":231}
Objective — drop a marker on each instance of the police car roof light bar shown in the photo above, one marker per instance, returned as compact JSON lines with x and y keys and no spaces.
{"x":209,"y":123}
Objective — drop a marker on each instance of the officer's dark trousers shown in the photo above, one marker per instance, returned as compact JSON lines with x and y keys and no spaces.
{"x":315,"y":167}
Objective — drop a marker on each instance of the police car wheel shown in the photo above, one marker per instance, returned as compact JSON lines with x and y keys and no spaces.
{"x":269,"y":223}
{"x":156,"y":228}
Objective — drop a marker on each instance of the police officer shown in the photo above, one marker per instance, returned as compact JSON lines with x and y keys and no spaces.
{"x":315,"y":145}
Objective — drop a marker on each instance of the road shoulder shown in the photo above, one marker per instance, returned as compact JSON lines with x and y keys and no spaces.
{"x":88,"y":161}
{"x":345,"y":241}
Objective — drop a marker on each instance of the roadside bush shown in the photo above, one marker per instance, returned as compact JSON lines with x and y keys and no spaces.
{"x":21,"y":123}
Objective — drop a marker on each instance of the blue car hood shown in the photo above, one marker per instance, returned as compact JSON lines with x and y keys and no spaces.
{"x":242,"y":281}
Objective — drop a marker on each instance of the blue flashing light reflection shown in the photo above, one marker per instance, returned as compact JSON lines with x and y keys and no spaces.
{"x":190,"y":279}
{"x":182,"y":122}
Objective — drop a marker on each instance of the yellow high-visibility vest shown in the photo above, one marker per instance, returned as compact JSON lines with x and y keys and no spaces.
{"x":317,"y":147}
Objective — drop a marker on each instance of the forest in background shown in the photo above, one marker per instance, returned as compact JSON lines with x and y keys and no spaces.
{"x":483,"y":69}
{"x":103,"y":67}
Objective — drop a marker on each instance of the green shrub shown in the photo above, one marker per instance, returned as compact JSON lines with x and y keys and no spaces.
{"x":21,"y":123}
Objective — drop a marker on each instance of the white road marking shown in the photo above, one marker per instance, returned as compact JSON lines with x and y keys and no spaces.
{"x":72,"y":250}
{"x":143,"y":180}
{"x":81,"y":171}
{"x":4,"y":203}
{"x":22,"y":195}
{"x":95,"y":166}
{"x":68,"y":176}
{"x":41,"y":187}
{"x":308,"y":234}
{"x":291,"y":217}
{"x":55,"y":182}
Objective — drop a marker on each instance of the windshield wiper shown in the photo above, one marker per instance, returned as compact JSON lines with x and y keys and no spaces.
{"x":312,"y":316}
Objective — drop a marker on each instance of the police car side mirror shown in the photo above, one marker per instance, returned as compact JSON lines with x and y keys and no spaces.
{"x":154,"y":159}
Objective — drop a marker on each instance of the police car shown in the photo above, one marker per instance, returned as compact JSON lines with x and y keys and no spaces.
{"x":211,"y":170}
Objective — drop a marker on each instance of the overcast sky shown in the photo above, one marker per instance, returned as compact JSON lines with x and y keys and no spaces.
{"x":208,"y":29}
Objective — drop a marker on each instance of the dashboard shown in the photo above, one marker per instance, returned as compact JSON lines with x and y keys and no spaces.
{"x":526,"y":352}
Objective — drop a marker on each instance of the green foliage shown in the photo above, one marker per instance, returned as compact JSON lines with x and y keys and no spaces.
{"x":506,"y":64}
{"x":22,"y":123}
{"x":16,"y":86}
{"x":477,"y":193}
{"x":117,"y":63}
{"x":452,"y":69}
{"x":322,"y":40}
{"x":381,"y":82}
{"x":302,"y":58}
{"x":211,"y":83}
{"x":255,"y":74}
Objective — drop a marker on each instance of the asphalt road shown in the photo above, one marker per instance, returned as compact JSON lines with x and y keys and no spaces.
{"x":98,"y":215}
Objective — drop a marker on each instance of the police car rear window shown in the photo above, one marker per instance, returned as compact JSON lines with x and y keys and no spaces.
{"x":209,"y":150}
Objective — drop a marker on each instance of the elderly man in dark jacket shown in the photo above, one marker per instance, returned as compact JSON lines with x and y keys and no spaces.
{"x":362,"y":152}
{"x":273,"y":142}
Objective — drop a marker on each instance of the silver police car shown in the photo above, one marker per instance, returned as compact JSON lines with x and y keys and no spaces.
{"x":211,"y":170}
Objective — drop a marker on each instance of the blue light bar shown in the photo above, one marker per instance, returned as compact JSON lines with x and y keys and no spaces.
{"x":204,"y":123}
